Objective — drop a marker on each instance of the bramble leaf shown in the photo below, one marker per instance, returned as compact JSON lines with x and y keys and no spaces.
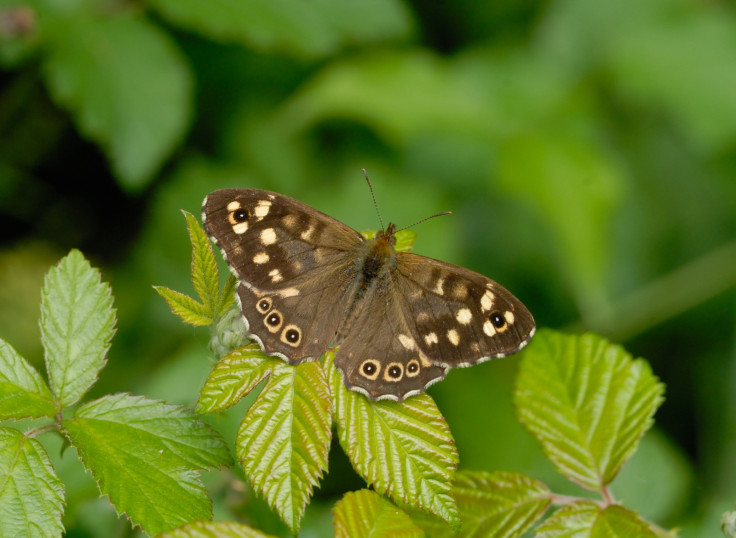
{"x":23,"y":392}
{"x":586,"y":518}
{"x":205,"y":274}
{"x":145,"y":455}
{"x":189,"y":310}
{"x":284,"y":439}
{"x":233,"y":377}
{"x":365,"y":514}
{"x":227,"y":296}
{"x":28,"y":485}
{"x":77,"y":324}
{"x":404,"y":450}
{"x":587,"y":402}
{"x":213,"y":529}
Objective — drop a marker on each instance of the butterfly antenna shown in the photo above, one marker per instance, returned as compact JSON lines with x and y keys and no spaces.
{"x":373,"y":195}
{"x":426,"y":219}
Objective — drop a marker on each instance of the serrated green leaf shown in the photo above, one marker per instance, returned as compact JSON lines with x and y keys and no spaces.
{"x":77,"y":324}
{"x":587,"y":402}
{"x":501,"y":504}
{"x":319,"y":28}
{"x":189,"y":310}
{"x":284,"y":439}
{"x":205,"y":274}
{"x":28,"y":485}
{"x":405,"y":450}
{"x":126,"y":84}
{"x":227,"y":296}
{"x":365,"y":514}
{"x":233,"y":377}
{"x":214,"y":529}
{"x":587,"y":519}
{"x":23,"y":392}
{"x":145,"y":455}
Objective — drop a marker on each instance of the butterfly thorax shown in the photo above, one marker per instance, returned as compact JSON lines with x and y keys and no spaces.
{"x":379,"y":256}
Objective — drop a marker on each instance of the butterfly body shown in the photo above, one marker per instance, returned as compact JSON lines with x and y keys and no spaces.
{"x":308,"y":282}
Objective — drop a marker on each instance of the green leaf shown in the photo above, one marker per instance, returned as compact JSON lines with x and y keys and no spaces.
{"x":145,"y":455}
{"x":189,"y":310}
{"x":365,"y":514}
{"x":318,"y":28}
{"x":77,"y":324}
{"x":590,"y":520}
{"x":405,"y":450}
{"x":205,"y":274}
{"x":212,"y":529}
{"x":31,"y":495}
{"x":126,"y":84}
{"x":227,"y":296}
{"x":587,"y":402}
{"x":501,"y":504}
{"x":23,"y":392}
{"x":233,"y":377}
{"x":284,"y":439}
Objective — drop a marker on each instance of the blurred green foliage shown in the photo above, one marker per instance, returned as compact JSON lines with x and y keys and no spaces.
{"x":586,"y":149}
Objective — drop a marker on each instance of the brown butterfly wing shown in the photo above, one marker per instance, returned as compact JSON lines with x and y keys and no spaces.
{"x":459,"y":317}
{"x":295,"y":266}
{"x":377,"y":356}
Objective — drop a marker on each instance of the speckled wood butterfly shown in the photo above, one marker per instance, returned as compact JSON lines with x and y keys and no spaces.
{"x":308,"y":282}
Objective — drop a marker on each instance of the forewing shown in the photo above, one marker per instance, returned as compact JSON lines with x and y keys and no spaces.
{"x":296,"y":267}
{"x":458,"y":317}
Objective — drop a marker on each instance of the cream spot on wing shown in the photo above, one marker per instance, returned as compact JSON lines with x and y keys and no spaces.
{"x":268,"y":236}
{"x":424,"y":360}
{"x":261,"y":258}
{"x":453,"y":337}
{"x":431,"y":338}
{"x":422,"y":317}
{"x":463,"y":316}
{"x":238,"y":251}
{"x":240,"y":228}
{"x":297,"y":265}
{"x":406,"y":341}
{"x":288,"y":292}
{"x":488,"y":328}
{"x":460,"y":291}
{"x":290,"y":222}
{"x":262,"y":208}
{"x":307,"y":234}
{"x":275,"y":275}
{"x":475,"y":347}
{"x":486,"y":302}
{"x":509,"y":315}
{"x":438,"y":286}
{"x":232,"y":206}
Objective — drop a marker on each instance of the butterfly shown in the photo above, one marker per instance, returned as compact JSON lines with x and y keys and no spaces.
{"x":308,"y":283}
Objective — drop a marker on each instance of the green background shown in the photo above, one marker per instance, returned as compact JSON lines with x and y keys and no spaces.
{"x":587,"y":150}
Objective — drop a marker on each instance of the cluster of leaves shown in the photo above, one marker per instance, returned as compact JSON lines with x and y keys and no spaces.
{"x":144,"y":454}
{"x":586,"y":401}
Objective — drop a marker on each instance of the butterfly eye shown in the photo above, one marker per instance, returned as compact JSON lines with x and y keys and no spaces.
{"x":394,"y":372}
{"x":499,"y":322}
{"x":264,"y":305}
{"x":240,"y":215}
{"x":412,"y":369}
{"x":291,"y":335}
{"x":370,"y":369}
{"x":273,"y":321}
